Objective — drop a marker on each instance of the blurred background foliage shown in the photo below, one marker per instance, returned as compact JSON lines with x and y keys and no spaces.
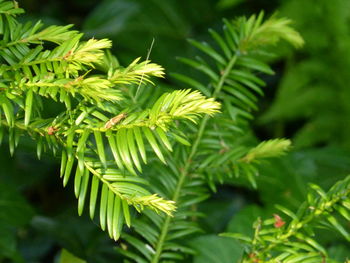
{"x":307,"y":100}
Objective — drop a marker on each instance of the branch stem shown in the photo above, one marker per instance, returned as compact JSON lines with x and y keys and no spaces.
{"x":185,"y":171}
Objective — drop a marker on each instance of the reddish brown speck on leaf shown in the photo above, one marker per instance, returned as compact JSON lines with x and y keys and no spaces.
{"x":67,"y":55}
{"x":51,"y":130}
{"x":278,"y":221}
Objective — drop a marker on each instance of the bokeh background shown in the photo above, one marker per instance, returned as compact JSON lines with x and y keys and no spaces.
{"x":307,"y":100}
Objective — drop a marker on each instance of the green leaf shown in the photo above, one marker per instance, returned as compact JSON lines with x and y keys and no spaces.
{"x":67,"y":257}
{"x":209,"y":51}
{"x":68,"y":169}
{"x":63,"y":162}
{"x":133,"y":150}
{"x":114,"y":149}
{"x":83,"y":191}
{"x":100,"y":148}
{"x":126,"y":213}
{"x":110,"y":208}
{"x":81,"y":146}
{"x":123,"y":150}
{"x":214,"y":249}
{"x":8,"y":110}
{"x":77,"y":181}
{"x":140,"y":144}
{"x":152,"y":141}
{"x":164,"y":138}
{"x":28,"y":107}
{"x":103,"y":206}
{"x":93,"y":195}
{"x":117,"y":218}
{"x":338,"y":226}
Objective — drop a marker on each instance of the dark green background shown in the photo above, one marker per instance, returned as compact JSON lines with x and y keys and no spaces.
{"x":307,"y":100}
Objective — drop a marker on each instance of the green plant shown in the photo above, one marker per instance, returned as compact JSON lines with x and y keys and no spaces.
{"x":109,"y":120}
{"x":231,"y":79}
{"x":317,"y":78}
{"x":100,"y":111}
{"x":275,"y":240}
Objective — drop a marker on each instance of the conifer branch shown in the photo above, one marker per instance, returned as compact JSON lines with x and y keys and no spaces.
{"x":276,"y":240}
{"x":100,"y":141}
{"x":250,"y":36}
